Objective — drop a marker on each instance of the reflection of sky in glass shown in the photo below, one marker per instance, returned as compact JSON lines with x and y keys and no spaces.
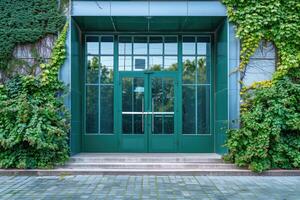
{"x":201,"y":48}
{"x":170,"y":48}
{"x":92,"y":47}
{"x":169,"y":61}
{"x":107,"y":61}
{"x":125,"y":48}
{"x":155,"y":60}
{"x":188,"y":45}
{"x":125,"y":63}
{"x":107,"y":46}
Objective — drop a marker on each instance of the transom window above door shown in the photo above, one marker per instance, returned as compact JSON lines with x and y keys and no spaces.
{"x":154,"y":53}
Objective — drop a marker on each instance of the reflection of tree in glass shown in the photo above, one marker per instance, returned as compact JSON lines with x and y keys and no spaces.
{"x":92,"y":71}
{"x":202,"y":70}
{"x":107,"y":74}
{"x":92,"y":109}
{"x":189,"y":71}
{"x":155,"y":67}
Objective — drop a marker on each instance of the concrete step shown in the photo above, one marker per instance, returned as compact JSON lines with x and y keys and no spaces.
{"x":145,"y":160}
{"x":133,"y":172}
{"x":161,"y":165}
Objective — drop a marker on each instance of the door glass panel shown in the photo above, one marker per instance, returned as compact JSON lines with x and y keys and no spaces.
{"x":92,"y":105}
{"x":162,"y":106}
{"x":132,"y":105}
{"x":188,"y":109}
{"x":106,"y":109}
{"x":203,"y":109}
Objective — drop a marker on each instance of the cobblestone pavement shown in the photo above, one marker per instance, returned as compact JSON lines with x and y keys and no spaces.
{"x":149,"y":187}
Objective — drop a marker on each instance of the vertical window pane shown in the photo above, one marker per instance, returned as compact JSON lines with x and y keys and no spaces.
{"x":171,"y":46}
{"x":188,"y":109}
{"x":155,"y":63}
{"x":92,"y":45}
{"x":106,"y":109}
{"x":140,"y":63}
{"x":189,"y":70}
{"x":203,"y":109}
{"x":107,"y":69}
{"x":170,"y":63}
{"x":125,"y":63}
{"x":155,"y":45}
{"x":189,"y":45}
{"x":140,"y":45}
{"x":125,"y":45}
{"x":202,"y":45}
{"x":107,"y":45}
{"x":92,"y":72}
{"x":203,"y":72}
{"x":92,"y":105}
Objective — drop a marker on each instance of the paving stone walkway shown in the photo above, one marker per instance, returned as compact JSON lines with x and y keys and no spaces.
{"x":149,"y":187}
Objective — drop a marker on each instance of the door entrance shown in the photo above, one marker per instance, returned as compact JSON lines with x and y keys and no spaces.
{"x":148,"y":115}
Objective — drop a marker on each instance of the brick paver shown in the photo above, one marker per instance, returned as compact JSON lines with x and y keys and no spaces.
{"x":149,"y":187}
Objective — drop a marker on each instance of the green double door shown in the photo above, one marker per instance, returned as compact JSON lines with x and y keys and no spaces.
{"x":147,"y":112}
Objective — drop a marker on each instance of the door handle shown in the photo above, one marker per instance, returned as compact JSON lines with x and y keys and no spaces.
{"x":152,"y":115}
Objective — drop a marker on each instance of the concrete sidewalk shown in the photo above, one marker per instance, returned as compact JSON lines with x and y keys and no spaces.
{"x":149,"y":187}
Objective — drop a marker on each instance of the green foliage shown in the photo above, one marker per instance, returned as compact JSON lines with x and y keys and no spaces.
{"x":269,"y":136}
{"x":33,"y":119}
{"x":26,"y":21}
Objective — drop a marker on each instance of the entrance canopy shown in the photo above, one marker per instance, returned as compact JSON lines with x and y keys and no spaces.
{"x":148,"y":24}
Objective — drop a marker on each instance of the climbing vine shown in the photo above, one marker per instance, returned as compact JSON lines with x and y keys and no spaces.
{"x":34,"y":122}
{"x":26,"y":21}
{"x":269,"y":136}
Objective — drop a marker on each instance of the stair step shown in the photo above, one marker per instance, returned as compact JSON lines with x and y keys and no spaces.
{"x":145,"y":160}
{"x":162,"y":165}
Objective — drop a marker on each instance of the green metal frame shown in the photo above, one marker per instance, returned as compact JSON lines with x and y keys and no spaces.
{"x":184,"y":142}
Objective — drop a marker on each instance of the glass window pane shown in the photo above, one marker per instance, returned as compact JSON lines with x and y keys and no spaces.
{"x":170,"y":63}
{"x":140,"y":63}
{"x":107,"y":69}
{"x":188,"y":109}
{"x":203,"y":109}
{"x":140,"y":45}
{"x":203,"y":71}
{"x":125,"y":63}
{"x":189,"y":45}
{"x":92,"y":115}
{"x":132,"y":101}
{"x":189,"y":70}
{"x":203,"y":45}
{"x":92,"y":73}
{"x":107,"y":45}
{"x":125,"y":45}
{"x":171,"y":46}
{"x":106,"y":109}
{"x":92,"y":45}
{"x":155,"y":63}
{"x":155,"y":45}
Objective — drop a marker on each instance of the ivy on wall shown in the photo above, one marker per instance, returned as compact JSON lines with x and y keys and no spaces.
{"x":26,"y":21}
{"x":269,"y":136}
{"x":34,"y":122}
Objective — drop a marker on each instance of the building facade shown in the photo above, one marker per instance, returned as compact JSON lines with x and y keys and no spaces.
{"x":151,"y":76}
